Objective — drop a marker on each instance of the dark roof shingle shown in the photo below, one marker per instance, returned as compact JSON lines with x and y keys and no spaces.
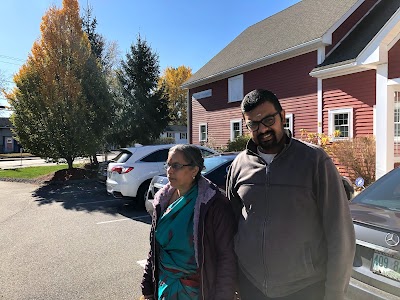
{"x":300,"y":23}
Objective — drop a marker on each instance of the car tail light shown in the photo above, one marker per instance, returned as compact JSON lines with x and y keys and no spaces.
{"x":121,"y":170}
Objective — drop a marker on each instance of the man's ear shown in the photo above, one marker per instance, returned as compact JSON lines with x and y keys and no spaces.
{"x":282,"y":114}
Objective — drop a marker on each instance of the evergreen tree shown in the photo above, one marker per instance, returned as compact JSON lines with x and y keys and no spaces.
{"x":143,"y":113}
{"x":104,"y":109}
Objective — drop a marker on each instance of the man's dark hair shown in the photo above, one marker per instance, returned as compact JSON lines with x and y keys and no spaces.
{"x":257,"y":97}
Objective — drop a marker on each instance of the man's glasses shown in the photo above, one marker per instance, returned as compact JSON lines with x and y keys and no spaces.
{"x":175,"y":166}
{"x":267,"y":121}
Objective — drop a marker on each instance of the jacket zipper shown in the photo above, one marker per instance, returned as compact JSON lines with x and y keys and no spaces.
{"x":202,"y":262}
{"x":264,"y":231}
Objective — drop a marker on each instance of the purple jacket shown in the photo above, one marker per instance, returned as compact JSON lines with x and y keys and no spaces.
{"x":214,"y":229}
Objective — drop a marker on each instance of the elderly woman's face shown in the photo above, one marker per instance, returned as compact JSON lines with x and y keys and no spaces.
{"x":179,"y":174}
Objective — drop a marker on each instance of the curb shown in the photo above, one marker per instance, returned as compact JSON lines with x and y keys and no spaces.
{"x":38,"y":181}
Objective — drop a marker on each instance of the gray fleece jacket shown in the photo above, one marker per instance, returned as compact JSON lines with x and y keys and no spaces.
{"x":294,"y":223}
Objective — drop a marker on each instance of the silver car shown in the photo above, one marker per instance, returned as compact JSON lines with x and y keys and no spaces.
{"x":376,"y":217}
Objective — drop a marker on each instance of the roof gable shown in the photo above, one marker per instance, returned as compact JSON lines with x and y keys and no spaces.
{"x":367,"y":45}
{"x":300,"y":24}
{"x":364,"y":32}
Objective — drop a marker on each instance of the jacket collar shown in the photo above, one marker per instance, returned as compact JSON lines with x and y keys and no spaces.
{"x":204,"y":195}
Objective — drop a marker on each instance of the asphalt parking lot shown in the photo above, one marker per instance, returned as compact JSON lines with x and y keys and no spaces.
{"x":70,"y":242}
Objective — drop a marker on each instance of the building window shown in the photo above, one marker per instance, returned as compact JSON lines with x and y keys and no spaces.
{"x":183,"y":136}
{"x":235,"y":88}
{"x":236,"y":128}
{"x":203,"y":132}
{"x":341,"y":120}
{"x":170,"y":135}
{"x":289,"y":122}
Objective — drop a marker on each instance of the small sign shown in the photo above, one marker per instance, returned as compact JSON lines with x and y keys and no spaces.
{"x":359,"y":182}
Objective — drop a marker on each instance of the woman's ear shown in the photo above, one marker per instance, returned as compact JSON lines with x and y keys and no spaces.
{"x":196,"y":170}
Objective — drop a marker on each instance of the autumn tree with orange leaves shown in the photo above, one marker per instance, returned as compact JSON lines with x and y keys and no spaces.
{"x":172,"y":80}
{"x":61,"y":95}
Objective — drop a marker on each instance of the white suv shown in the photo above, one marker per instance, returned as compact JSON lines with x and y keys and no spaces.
{"x":130,"y":172}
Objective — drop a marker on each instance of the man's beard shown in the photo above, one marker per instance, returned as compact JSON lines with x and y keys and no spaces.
{"x":272,"y":144}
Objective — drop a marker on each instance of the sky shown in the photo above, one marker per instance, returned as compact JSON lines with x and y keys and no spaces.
{"x":181,"y":32}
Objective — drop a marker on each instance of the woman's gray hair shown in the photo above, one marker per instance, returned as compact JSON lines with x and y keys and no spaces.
{"x":192,"y":155}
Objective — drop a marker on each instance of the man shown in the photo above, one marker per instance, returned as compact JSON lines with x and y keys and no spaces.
{"x":295,"y":237}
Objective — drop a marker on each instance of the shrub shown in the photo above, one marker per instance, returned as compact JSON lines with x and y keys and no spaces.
{"x":238,"y":144}
{"x":164,"y":140}
{"x":211,"y":143}
{"x":356,"y":155}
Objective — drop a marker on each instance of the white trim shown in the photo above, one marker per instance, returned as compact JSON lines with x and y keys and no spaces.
{"x":291,"y":52}
{"x":290,"y":117}
{"x":320,"y":59}
{"x":202,"y":94}
{"x":374,"y":120}
{"x":331,"y":119}
{"x":373,"y":55}
{"x":235,"y":88}
{"x":394,"y":81}
{"x":200,"y":125}
{"x":377,"y":49}
{"x":384,"y":123}
{"x":231,"y":127}
{"x":327,"y":37}
{"x":344,"y":18}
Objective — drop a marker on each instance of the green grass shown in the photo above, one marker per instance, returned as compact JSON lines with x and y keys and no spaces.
{"x":31,"y":172}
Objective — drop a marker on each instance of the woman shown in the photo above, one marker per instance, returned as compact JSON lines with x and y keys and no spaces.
{"x":191,"y":255}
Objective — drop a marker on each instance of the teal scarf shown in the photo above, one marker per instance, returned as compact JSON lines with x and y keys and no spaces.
{"x":178,"y":278}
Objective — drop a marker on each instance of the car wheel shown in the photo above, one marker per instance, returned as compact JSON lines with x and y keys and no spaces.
{"x":141,"y":194}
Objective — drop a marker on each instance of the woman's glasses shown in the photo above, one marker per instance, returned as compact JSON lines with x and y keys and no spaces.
{"x":175,"y":166}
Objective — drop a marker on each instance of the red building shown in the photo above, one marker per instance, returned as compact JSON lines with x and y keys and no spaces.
{"x":333,"y":64}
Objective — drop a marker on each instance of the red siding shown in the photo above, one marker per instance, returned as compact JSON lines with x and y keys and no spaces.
{"x":394,"y":61}
{"x":355,"y":90}
{"x":288,"y":79}
{"x":349,"y":23}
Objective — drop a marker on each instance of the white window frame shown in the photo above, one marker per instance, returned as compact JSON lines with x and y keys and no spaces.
{"x":331,"y":120}
{"x":183,"y":135}
{"x":170,"y":134}
{"x":235,"y":88}
{"x":232,"y":122}
{"x":290,"y":117}
{"x":200,"y":137}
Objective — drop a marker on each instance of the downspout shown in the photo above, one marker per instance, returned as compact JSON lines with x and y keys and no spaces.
{"x":189,"y":116}
{"x":320,"y":59}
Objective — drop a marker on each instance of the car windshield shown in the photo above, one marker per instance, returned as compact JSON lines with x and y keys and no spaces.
{"x":211,"y":163}
{"x":384,"y":193}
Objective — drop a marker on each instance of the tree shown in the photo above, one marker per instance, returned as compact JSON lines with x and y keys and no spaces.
{"x":172,"y":79}
{"x":97,"y":46}
{"x":2,"y":81}
{"x":59,"y":90}
{"x":143,"y":111}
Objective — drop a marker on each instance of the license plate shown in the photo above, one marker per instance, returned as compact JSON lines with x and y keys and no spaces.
{"x":386,"y":265}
